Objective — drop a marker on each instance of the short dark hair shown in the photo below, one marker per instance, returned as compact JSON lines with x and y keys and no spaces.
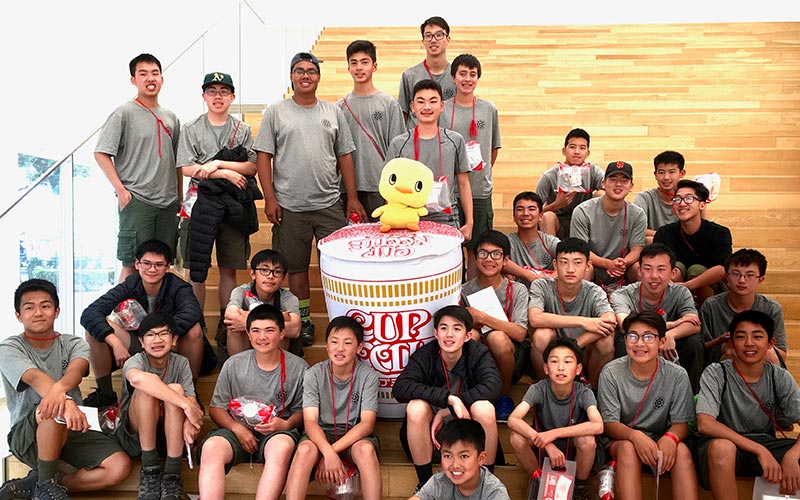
{"x":155,"y":320}
{"x":563,"y":341}
{"x":573,"y":245}
{"x":700,"y":190}
{"x":35,"y":285}
{"x":147,"y":58}
{"x":269,"y":256}
{"x":434,"y":21}
{"x":467,"y":431}
{"x":364,"y":46}
{"x":577,"y":133}
{"x":495,"y":238}
{"x":746,"y":256}
{"x":530,"y":196}
{"x":426,"y":84}
{"x":467,"y":60}
{"x":345,"y":322}
{"x":655,"y":249}
{"x":757,"y":318}
{"x":649,"y":318}
{"x":157,"y":247}
{"x":669,"y":158}
{"x":267,"y":312}
{"x":457,"y":312}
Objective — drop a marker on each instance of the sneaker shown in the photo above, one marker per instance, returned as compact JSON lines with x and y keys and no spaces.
{"x":172,"y":487}
{"x":307,"y":333}
{"x":21,"y":488}
{"x":51,"y":489}
{"x":99,"y":399}
{"x":580,"y":494}
{"x":503,"y":408}
{"x":150,"y":483}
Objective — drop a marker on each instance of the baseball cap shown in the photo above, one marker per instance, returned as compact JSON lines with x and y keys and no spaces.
{"x":217,"y":78}
{"x":304,"y":56}
{"x":619,"y":167}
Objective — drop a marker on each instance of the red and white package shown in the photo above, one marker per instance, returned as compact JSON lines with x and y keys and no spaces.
{"x":347,"y":490}
{"x":128,"y":314}
{"x":251,"y":411}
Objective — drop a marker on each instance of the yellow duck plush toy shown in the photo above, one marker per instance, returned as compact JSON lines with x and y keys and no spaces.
{"x":405,"y":185}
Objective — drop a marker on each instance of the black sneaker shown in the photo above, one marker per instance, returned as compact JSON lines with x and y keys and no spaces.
{"x":51,"y":489}
{"x":150,"y":483}
{"x":172,"y":487}
{"x":307,"y":333}
{"x":20,"y":488}
{"x":99,"y":399}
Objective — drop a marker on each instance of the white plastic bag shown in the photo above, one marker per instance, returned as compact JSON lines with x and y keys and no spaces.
{"x":439,"y":199}
{"x":712,"y":181}
{"x":574,"y":178}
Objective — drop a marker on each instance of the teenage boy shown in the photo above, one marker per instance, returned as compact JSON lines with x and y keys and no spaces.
{"x":476,"y":120}
{"x":41,"y":371}
{"x":463,"y":474}
{"x":136,"y":152}
{"x":506,"y":338}
{"x":558,"y":202}
{"x":533,"y":252}
{"x":700,"y":246}
{"x":441,"y":150}
{"x":374,"y":118}
{"x":301,"y":183}
{"x":657,"y":202}
{"x":745,"y":270}
{"x":614,"y":228}
{"x":564,"y":411}
{"x":739,"y":401}
{"x":158,"y":405}
{"x":275,"y":377}
{"x":435,"y":39}
{"x":154,"y":289}
{"x":346,"y":387}
{"x":655,"y":292}
{"x":267,"y":269}
{"x":200,"y":144}
{"x":571,"y":306}
{"x":448,"y":377}
{"x":646,"y":406}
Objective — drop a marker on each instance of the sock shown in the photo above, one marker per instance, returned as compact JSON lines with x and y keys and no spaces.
{"x":424,"y":472}
{"x":305,"y":309}
{"x":149,"y":458}
{"x":104,"y":385}
{"x":172,"y":465}
{"x":47,"y":470}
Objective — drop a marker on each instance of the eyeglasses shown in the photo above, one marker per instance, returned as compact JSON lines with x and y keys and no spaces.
{"x":647,"y":338}
{"x":689,"y":199}
{"x":221,"y":93}
{"x":494,"y":254}
{"x":300,"y":72}
{"x":160,"y":266}
{"x":265,"y":271}
{"x":151,"y":335}
{"x":439,"y":35}
{"x":736,"y":275}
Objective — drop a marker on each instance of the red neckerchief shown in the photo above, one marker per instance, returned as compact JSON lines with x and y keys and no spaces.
{"x":473,"y":125}
{"x":333,"y":400}
{"x":159,"y":125}
{"x":646,"y":391}
{"x":758,"y":400}
{"x":657,"y":308}
{"x":438,"y":141}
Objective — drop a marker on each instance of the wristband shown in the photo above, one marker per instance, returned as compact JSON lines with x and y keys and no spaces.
{"x":672,"y":437}
{"x":69,"y":397}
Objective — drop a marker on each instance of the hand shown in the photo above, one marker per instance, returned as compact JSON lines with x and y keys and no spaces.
{"x":235,"y":322}
{"x":76,"y":419}
{"x":466,"y":230}
{"x":53,"y":403}
{"x":235,"y":178}
{"x":123,"y":198}
{"x":557,"y":458}
{"x":646,"y":448}
{"x":668,"y":349}
{"x":669,"y":450}
{"x":563,"y":199}
{"x":204,"y":171}
{"x":542,"y":439}
{"x":601,"y":326}
{"x":273,"y":210}
{"x":354,"y":206}
{"x":194,"y":414}
{"x":478,"y":317}
{"x":617,"y":267}
{"x":791,"y":473}
{"x":689,"y":318}
{"x":770,"y":466}
{"x":330,"y":469}
{"x":245,"y":437}
{"x":275,"y":424}
{"x":721,"y":339}
{"x":120,"y":353}
{"x":458,"y":407}
{"x":436,"y":424}
{"x":190,"y":432}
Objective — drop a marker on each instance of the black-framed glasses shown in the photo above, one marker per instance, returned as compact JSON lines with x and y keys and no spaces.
{"x":647,"y":338}
{"x":736,"y":276}
{"x":439,"y":35}
{"x":310,"y":72}
{"x":215,"y":92}
{"x":494,"y":254}
{"x":688,"y":199}
{"x":265,"y":271}
{"x":160,"y":266}
{"x":151,"y":335}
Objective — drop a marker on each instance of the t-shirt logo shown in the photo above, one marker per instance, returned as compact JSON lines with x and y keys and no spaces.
{"x":377,"y":115}
{"x":481,"y":124}
{"x":355,"y":399}
{"x":658,"y":403}
{"x":326,"y":123}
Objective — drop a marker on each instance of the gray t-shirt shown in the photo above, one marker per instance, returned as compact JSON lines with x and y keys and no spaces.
{"x":488,"y":125}
{"x":668,"y":402}
{"x":516,"y":307}
{"x":380,"y":116}
{"x":439,"y":487}
{"x":244,"y":297}
{"x":19,"y":356}
{"x":716,"y":315}
{"x":539,"y":255}
{"x":241,"y":376}
{"x":144,"y":151}
{"x":676,"y":303}
{"x":200,"y":140}
{"x":317,"y":394}
{"x":410,"y":78}
{"x":724,"y":396}
{"x":305,"y":143}
{"x":591,"y":302}
{"x":547,"y":188}
{"x":177,"y":372}
{"x":552,"y":413}
{"x":657,"y":212}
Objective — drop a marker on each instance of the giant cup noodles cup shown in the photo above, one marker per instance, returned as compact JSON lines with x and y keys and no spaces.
{"x":392,"y":283}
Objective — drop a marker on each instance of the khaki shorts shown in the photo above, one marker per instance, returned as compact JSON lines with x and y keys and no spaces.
{"x":239,"y":455}
{"x":232,"y":246}
{"x":292,"y":238}
{"x":346,"y":454}
{"x":139,"y":222}
{"x":695,"y":271}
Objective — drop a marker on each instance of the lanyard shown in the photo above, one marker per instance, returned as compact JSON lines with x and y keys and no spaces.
{"x":159,"y":125}
{"x":509,"y":299}
{"x":758,"y":400}
{"x":438,"y":141}
{"x":624,"y":229}
{"x":166,"y":367}
{"x":561,"y":301}
{"x":473,"y":125}
{"x":569,"y":422}
{"x":447,"y":377}
{"x":371,"y":139}
{"x":539,"y":265}
{"x":646,"y":391}
{"x":656,"y":308}
{"x":686,"y":240}
{"x":283,"y":382}
{"x":333,"y":401}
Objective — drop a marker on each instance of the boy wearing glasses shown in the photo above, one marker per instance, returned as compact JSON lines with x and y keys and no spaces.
{"x":435,"y":39}
{"x":669,"y":168}
{"x":646,"y":404}
{"x":267,"y":269}
{"x":533,"y":251}
{"x":700,"y":246}
{"x":159,"y":413}
{"x":303,"y":146}
{"x":745,"y":270}
{"x":154,"y":289}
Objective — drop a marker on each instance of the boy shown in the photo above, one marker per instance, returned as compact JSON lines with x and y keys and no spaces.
{"x":136,"y":152}
{"x":300,"y":183}
{"x":655,"y":292}
{"x":374,"y":117}
{"x":700,"y":246}
{"x":201,"y":141}
{"x":476,"y":120}
{"x":745,"y":270}
{"x":441,"y":150}
{"x":435,"y":38}
{"x":532,"y":250}
{"x":568,"y":305}
{"x":646,"y":406}
{"x":559,"y":204}
{"x":158,"y":405}
{"x":41,"y":371}
{"x":463,"y":474}
{"x":346,"y":387}
{"x":507,"y":339}
{"x":448,"y":377}
{"x":563,"y":410}
{"x":737,"y":407}
{"x":272,"y":375}
{"x":267,"y":269}
{"x":657,"y":202}
{"x":614,"y":228}
{"x":154,"y":289}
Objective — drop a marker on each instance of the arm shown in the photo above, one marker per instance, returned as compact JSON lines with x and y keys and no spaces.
{"x":514,"y":269}
{"x":246,"y":438}
{"x":330,"y":469}
{"x":646,"y":448}
{"x":264,"y":167}
{"x":593,"y":427}
{"x":347,"y":169}
{"x":686,"y":325}
{"x":152,"y":385}
{"x":362,"y":429}
{"x":484,"y":375}
{"x":513,"y":330}
{"x":465,"y":195}
{"x":603,"y":325}
{"x":106,"y":164}
{"x":709,"y":277}
{"x":54,"y":392}
{"x":415,"y":382}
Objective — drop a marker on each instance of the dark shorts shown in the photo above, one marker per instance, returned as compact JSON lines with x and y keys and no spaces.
{"x":292,"y":238}
{"x":370,"y":200}
{"x":129,"y":440}
{"x":522,"y":359}
{"x":482,"y":218}
{"x":139,"y":222}
{"x":696,"y":270}
{"x":746,"y":462}
{"x":231,"y":245}
{"x":346,"y":454}
{"x":239,"y":454}
{"x":561,"y":444}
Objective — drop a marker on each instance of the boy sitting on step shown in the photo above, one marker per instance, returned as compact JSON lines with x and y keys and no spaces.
{"x":340,"y":408}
